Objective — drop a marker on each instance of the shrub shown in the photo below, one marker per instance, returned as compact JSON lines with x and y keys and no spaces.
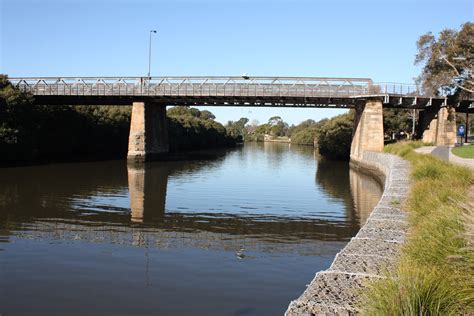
{"x":335,"y":136}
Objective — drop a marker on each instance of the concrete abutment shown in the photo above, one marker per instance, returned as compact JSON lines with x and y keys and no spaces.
{"x":368,"y":129}
{"x":148,"y":138}
{"x":438,"y":126}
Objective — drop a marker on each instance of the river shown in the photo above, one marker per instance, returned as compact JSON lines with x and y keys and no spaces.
{"x":237,"y":232}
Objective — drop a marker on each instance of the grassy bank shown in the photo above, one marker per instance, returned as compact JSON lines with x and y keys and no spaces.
{"x":464,"y":151}
{"x":435,"y":272}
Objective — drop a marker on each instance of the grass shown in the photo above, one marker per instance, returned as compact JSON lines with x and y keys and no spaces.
{"x":435,"y":275}
{"x":466,"y":151}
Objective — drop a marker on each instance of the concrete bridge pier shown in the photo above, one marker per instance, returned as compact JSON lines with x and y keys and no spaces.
{"x":368,"y":129}
{"x":438,"y":126}
{"x":148,"y":137}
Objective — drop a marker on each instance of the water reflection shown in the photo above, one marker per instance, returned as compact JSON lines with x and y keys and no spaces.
{"x":147,"y":184}
{"x":103,"y":194}
{"x":366,"y":193}
{"x":253,"y":219}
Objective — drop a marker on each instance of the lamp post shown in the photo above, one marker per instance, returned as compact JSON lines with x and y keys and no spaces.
{"x":149,"y":54}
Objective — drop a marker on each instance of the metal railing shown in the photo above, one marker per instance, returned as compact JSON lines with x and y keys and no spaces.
{"x":195,"y":86}
{"x":307,"y":87}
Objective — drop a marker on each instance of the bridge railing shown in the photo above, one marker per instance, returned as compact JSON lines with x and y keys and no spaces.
{"x":195,"y":86}
{"x":307,"y":87}
{"x":394,"y":88}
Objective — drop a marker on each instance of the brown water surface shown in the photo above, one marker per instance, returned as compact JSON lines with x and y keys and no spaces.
{"x":238,"y":233}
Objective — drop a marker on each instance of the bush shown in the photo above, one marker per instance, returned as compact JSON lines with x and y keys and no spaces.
{"x":335,"y":136}
{"x":304,"y":137}
{"x":188,"y":130}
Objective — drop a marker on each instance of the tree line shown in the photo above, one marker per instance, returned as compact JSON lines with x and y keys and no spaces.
{"x":32,"y":133}
{"x":331,"y":136}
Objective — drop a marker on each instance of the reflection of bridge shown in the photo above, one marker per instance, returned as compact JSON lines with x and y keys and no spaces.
{"x":150,"y":96}
{"x":147,"y":217}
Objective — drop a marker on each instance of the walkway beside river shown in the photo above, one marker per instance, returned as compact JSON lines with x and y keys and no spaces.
{"x":444,"y":153}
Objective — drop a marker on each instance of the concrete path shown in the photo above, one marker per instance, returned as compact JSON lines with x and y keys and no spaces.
{"x":444,"y":153}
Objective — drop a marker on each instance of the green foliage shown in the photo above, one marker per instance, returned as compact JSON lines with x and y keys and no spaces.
{"x":434,"y":275}
{"x":237,"y":129}
{"x":189,"y":128}
{"x":277,"y":127}
{"x":335,"y":137}
{"x":31,"y":133}
{"x":304,"y":136}
{"x":414,"y":290}
{"x":396,"y":121}
{"x":306,"y":132}
{"x":446,"y":61}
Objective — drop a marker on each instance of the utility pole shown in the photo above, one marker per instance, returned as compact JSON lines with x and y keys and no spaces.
{"x":149,"y":54}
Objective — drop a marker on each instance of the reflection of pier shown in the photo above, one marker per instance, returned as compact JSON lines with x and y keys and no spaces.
{"x":366,"y":193}
{"x":37,"y":206}
{"x":147,"y":185}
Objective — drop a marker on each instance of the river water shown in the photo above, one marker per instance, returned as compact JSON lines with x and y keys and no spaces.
{"x":238,"y":232}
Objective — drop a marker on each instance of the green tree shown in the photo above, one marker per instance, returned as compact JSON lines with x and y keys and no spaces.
{"x":396,"y":121}
{"x":207,"y":115}
{"x":335,"y":136}
{"x":237,"y":129}
{"x":447,"y":61}
{"x":277,"y":127}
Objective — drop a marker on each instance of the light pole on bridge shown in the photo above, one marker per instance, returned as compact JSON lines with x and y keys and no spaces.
{"x":149,"y":53}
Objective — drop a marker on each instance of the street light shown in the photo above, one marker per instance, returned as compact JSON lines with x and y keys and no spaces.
{"x":149,"y":54}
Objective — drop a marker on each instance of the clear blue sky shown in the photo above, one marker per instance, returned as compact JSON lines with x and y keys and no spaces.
{"x":374,"y":39}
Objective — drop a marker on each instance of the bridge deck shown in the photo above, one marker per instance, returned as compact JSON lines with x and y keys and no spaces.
{"x":222,"y":91}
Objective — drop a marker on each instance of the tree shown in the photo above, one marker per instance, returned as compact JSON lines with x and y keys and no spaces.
{"x":252,"y":127}
{"x":207,"y":115}
{"x":335,"y":137}
{"x":237,"y":128}
{"x":447,"y":61}
{"x":277,"y":127}
{"x":396,"y":121}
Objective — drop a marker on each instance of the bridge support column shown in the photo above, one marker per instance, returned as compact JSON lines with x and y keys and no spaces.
{"x":438,"y":126}
{"x":368,"y":129}
{"x":148,"y":137}
{"x":427,"y":125}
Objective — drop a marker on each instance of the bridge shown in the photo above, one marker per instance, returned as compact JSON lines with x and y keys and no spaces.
{"x":150,"y":96}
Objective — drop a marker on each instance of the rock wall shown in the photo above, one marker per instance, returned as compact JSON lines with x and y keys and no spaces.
{"x":374,"y":249}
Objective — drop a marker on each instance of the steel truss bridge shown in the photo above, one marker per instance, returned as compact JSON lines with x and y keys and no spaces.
{"x":222,"y":91}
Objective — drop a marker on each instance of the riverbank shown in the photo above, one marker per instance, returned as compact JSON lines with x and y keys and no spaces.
{"x":434,"y":273}
{"x":374,"y":250}
{"x":431,"y":272}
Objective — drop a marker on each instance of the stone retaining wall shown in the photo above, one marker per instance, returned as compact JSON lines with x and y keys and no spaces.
{"x":374,"y":249}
